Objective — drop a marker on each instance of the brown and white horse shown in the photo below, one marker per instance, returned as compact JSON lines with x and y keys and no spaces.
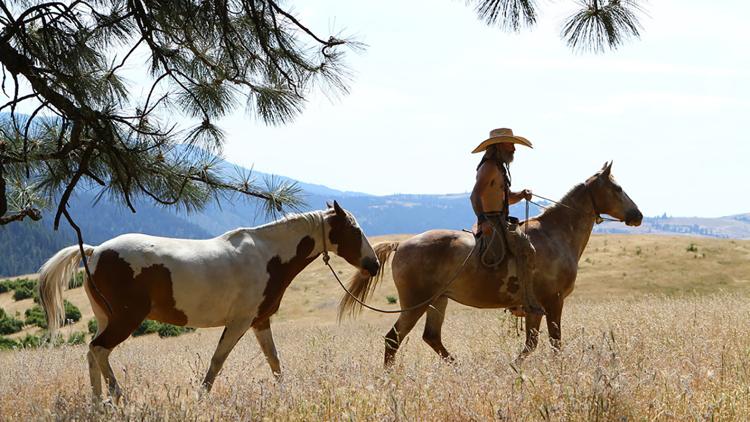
{"x":235,"y":280}
{"x":429,"y":265}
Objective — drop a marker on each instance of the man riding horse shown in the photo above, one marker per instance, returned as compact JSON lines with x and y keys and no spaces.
{"x":497,"y":232}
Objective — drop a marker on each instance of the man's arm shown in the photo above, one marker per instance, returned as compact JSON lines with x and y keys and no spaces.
{"x":517,"y":196}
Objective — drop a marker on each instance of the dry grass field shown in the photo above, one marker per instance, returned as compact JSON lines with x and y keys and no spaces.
{"x":656,"y":330}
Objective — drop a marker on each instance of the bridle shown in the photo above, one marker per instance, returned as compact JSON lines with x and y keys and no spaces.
{"x":598,"y":219}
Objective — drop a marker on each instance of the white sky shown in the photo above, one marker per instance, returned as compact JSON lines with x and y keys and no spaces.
{"x":670,"y":109}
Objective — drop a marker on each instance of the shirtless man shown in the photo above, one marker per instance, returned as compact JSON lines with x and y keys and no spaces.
{"x":496,"y":230}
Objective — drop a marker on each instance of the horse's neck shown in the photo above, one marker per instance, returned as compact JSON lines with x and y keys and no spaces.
{"x":286,"y":235}
{"x":572,"y":226}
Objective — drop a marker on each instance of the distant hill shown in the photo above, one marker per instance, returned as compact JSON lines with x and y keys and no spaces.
{"x":25,"y":246}
{"x":731,"y":227}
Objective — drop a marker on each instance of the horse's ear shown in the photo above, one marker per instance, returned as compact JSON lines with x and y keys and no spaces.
{"x":338,"y":208}
{"x":328,"y":204}
{"x":607,"y":169}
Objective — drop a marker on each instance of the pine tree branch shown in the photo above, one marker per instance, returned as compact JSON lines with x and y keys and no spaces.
{"x":82,"y":168}
{"x":32,"y":213}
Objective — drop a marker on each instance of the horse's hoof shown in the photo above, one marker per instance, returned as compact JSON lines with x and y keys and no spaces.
{"x":450,"y":360}
{"x":519,"y":360}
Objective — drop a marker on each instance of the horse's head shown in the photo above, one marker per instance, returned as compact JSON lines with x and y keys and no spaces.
{"x":347,"y":240}
{"x":609,"y":198}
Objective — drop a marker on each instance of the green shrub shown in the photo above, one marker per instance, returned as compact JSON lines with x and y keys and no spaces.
{"x":31,"y":341}
{"x":164,"y":330}
{"x":35,"y":316}
{"x":8,"y":344}
{"x":72,"y":313}
{"x":76,"y":281}
{"x":8,"y":324}
{"x":93,"y":326}
{"x":147,"y":327}
{"x":22,"y":293}
{"x":391,"y":299}
{"x":76,"y":337}
{"x":692,"y":248}
{"x":21,"y":283}
{"x":169,"y":330}
{"x":5,"y":286}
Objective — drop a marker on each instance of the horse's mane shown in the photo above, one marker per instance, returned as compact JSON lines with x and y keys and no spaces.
{"x":312,"y":218}
{"x":567,"y":199}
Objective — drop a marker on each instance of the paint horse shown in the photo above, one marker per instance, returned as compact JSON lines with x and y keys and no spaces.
{"x":235,"y":280}
{"x":426,"y":265}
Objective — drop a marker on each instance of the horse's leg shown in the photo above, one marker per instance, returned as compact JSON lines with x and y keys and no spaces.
{"x":433,"y":326}
{"x":265,"y":339}
{"x":95,"y":372}
{"x":233,"y":332}
{"x":401,"y":328}
{"x":533,"y":321}
{"x":118,"y":329}
{"x":554,"y":316}
{"x":95,"y":375}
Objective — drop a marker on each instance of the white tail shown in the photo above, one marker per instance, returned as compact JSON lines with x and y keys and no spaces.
{"x":53,"y":276}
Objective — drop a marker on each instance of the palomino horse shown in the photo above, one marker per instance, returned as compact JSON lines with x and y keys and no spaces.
{"x":235,"y":280}
{"x":430,"y":265}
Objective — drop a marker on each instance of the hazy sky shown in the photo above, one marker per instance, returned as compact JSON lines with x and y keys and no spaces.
{"x":670,"y":109}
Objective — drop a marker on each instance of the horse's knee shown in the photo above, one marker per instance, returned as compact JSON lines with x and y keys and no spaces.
{"x":532,"y":340}
{"x":391,"y":347}
{"x":392,"y":340}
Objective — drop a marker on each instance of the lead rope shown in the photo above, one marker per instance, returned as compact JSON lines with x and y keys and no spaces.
{"x":327,"y":258}
{"x":519,"y":321}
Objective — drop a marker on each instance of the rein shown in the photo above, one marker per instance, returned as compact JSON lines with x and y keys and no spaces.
{"x":599,"y":218}
{"x":327,"y":258}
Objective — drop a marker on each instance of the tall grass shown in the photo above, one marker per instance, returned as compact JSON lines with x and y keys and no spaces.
{"x":652,"y":358}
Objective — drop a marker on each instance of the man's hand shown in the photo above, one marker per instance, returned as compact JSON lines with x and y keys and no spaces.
{"x":526,"y":194}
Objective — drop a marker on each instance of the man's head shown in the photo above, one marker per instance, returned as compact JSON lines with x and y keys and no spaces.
{"x":504,"y":152}
{"x":501,"y":145}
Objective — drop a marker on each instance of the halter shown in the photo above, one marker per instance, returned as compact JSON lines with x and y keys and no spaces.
{"x":326,"y":257}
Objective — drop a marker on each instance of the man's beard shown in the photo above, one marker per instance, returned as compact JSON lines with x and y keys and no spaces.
{"x":505,"y":156}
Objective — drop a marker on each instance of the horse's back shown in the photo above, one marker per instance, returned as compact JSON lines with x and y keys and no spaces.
{"x":141,"y":250}
{"x":439,"y":250}
{"x":200,"y":278}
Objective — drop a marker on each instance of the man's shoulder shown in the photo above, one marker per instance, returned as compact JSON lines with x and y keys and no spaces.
{"x":490,"y":167}
{"x":489,"y":164}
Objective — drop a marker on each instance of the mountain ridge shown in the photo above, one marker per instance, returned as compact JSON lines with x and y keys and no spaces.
{"x":24,"y":246}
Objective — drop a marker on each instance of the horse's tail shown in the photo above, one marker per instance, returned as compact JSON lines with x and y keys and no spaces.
{"x":53,"y":276}
{"x":362,"y":286}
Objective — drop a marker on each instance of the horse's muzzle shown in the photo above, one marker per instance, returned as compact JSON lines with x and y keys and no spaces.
{"x":371,"y":265}
{"x":633,"y":218}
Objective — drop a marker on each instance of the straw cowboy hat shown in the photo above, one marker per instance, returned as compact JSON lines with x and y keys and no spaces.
{"x":500,"y":136}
